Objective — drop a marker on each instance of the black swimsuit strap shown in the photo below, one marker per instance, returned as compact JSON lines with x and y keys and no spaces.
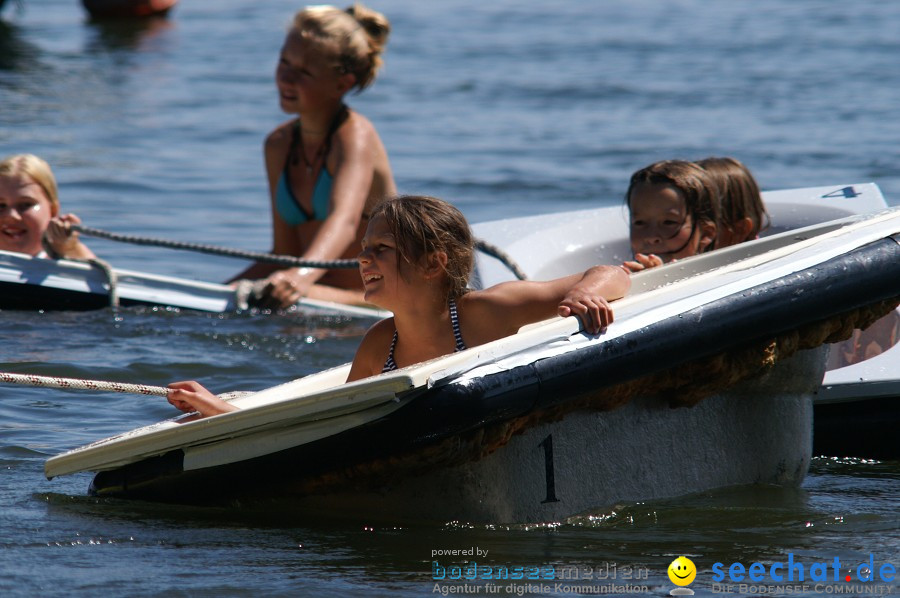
{"x":297,"y":135}
{"x":339,"y":119}
{"x":291,"y":158}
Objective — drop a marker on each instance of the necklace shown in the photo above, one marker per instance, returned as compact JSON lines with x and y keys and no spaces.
{"x":323,"y":148}
{"x":301,"y":149}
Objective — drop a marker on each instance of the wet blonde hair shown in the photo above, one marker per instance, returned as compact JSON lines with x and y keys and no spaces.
{"x":701,"y":196}
{"x":355,"y":37}
{"x":739,"y":194}
{"x":422,"y":225}
{"x":37,"y":170}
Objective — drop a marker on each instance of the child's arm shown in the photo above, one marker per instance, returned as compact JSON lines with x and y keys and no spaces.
{"x":506,"y":307}
{"x":191,"y":396}
{"x":275,"y":151}
{"x":588,"y":298}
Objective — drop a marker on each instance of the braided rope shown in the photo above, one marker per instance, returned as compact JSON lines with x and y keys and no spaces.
{"x":286,"y":260}
{"x":494,"y":251}
{"x":79,"y":384}
{"x":259,"y":256}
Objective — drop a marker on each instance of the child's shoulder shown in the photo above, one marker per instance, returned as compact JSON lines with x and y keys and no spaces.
{"x":356,"y":128}
{"x":381,"y":329}
{"x":280,"y":137}
{"x":378,"y":337}
{"x":374,"y":347}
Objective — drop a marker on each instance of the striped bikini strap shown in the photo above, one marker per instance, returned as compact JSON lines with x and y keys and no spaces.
{"x":457,"y":334}
{"x":390,"y":365}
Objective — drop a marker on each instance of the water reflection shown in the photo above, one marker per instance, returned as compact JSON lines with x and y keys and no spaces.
{"x":125,"y":34}
{"x":18,"y":5}
{"x":15,"y":53}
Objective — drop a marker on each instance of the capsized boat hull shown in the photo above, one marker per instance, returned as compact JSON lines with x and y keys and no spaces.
{"x":28,"y":283}
{"x":693,"y":336}
{"x":758,"y":433}
{"x":854,"y":411}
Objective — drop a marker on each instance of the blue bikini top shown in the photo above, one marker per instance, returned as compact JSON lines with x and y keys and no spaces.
{"x":286,"y":203}
{"x":289,"y":207}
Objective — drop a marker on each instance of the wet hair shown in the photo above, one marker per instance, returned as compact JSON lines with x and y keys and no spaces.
{"x":422,"y":225}
{"x":37,"y":170}
{"x":739,"y":194}
{"x":354,"y":37}
{"x":701,"y":196}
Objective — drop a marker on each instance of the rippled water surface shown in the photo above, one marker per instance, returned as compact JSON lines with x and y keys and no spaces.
{"x":505,"y":108}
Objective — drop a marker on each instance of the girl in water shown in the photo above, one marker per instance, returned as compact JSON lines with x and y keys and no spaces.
{"x":327,"y":167}
{"x":417,"y":256}
{"x":29,"y":211}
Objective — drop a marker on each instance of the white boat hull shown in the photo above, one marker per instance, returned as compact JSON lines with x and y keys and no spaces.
{"x":857,"y":405}
{"x":757,"y":433}
{"x":28,"y":283}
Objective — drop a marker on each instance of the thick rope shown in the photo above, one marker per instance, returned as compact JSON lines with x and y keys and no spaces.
{"x":112,"y":279}
{"x":79,"y":384}
{"x":286,"y":260}
{"x":494,"y":251}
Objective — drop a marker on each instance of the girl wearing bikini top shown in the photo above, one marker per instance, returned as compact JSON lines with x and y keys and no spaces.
{"x":327,"y":167}
{"x":416,"y":260}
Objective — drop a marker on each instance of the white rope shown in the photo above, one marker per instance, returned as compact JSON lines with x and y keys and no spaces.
{"x":79,"y":384}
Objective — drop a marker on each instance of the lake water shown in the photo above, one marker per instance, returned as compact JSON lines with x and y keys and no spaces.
{"x":505,"y":108}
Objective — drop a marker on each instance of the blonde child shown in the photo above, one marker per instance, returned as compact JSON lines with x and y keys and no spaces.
{"x":674,"y":213}
{"x":327,"y":167}
{"x":743,"y":214}
{"x":416,"y":259}
{"x":29,"y":211}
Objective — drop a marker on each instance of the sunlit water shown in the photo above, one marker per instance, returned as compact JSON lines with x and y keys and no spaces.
{"x":505,"y":108}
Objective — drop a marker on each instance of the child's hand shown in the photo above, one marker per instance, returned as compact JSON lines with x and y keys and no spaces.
{"x":190,"y":396}
{"x":60,"y":234}
{"x":643,"y":262}
{"x":286,"y":287}
{"x":593,"y":310}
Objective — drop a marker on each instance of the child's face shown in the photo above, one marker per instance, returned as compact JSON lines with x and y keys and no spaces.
{"x":378,"y":262}
{"x":389,"y":281}
{"x":25,"y":213}
{"x":305,"y":79}
{"x":661,"y":225}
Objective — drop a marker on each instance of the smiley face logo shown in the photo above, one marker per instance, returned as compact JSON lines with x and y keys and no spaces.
{"x":682,"y":571}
